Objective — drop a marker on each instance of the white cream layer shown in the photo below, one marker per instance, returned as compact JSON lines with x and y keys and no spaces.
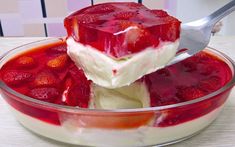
{"x":135,"y":95}
{"x":143,"y":136}
{"x":100,"y":68}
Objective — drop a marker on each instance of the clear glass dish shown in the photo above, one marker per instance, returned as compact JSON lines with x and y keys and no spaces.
{"x":120,"y":127}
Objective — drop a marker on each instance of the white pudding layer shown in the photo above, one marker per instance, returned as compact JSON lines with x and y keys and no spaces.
{"x":111,"y":73}
{"x":135,"y":95}
{"x":142,"y":136}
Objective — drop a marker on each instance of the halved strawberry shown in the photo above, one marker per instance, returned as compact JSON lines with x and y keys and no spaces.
{"x":189,"y":93}
{"x":15,"y":77}
{"x":58,"y":62}
{"x":136,"y":39}
{"x":135,"y":36}
{"x":47,"y":94}
{"x":45,"y":78}
{"x":125,"y":15}
{"x":211,"y":84}
{"x":25,"y":61}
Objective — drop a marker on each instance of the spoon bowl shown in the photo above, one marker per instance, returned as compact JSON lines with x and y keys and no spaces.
{"x":195,"y":35}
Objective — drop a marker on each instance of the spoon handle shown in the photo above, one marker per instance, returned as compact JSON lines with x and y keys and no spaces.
{"x":220,"y":13}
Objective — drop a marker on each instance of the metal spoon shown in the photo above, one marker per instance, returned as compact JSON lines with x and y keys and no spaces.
{"x":195,"y":35}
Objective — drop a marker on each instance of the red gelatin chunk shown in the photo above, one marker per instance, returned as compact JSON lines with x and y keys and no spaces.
{"x":120,"y":29}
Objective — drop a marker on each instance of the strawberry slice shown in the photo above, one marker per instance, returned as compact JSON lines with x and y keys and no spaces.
{"x":58,"y":62}
{"x":45,"y":78}
{"x":15,"y":77}
{"x":25,"y":61}
{"x":125,"y":15}
{"x":135,"y":37}
{"x":211,"y":84}
{"x":47,"y":94}
{"x":189,"y":93}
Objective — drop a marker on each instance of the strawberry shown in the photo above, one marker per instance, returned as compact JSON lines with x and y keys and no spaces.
{"x":45,"y":78}
{"x":125,"y":15}
{"x":47,"y":94}
{"x":189,"y":93}
{"x":159,"y":13}
{"x":210,"y":84}
{"x":15,"y":77}
{"x":136,"y":36}
{"x":25,"y":61}
{"x":124,"y":24}
{"x":58,"y":62}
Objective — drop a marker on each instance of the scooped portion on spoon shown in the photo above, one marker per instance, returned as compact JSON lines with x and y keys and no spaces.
{"x":118,"y":43}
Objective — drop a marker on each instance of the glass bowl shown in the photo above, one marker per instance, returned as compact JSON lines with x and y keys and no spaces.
{"x":120,"y":127}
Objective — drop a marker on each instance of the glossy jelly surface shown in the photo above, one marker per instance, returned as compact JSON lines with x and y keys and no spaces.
{"x":121,"y":29}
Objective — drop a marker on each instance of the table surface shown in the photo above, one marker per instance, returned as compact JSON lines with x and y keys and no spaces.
{"x":220,"y":134}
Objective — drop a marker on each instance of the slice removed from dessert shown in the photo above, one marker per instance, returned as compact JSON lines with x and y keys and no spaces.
{"x":118,"y":43}
{"x":134,"y":96}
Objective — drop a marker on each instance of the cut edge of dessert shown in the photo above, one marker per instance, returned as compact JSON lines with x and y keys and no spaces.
{"x":121,"y":42}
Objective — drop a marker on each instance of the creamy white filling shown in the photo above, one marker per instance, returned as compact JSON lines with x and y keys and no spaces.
{"x":135,"y":95}
{"x":110,"y":73}
{"x":143,"y":136}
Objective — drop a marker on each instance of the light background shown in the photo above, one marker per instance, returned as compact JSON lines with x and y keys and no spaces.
{"x":45,"y":17}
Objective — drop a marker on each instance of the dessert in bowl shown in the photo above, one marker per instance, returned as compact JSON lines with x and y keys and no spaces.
{"x":44,"y":100}
{"x":53,"y":89}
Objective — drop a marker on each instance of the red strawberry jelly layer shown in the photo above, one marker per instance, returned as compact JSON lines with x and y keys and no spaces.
{"x":44,"y":78}
{"x":121,"y":29}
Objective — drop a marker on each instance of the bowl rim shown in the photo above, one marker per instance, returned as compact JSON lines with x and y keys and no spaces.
{"x":36,"y":102}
